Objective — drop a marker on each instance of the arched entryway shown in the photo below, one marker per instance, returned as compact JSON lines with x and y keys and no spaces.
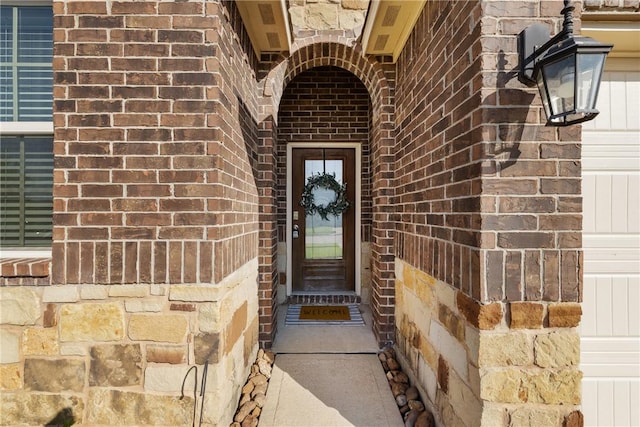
{"x":336,"y":65}
{"x":324,"y":126}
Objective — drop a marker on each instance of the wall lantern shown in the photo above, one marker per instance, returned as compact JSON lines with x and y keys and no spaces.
{"x":567,"y":70}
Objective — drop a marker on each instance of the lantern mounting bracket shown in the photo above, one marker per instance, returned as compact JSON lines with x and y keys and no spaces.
{"x":534,"y":41}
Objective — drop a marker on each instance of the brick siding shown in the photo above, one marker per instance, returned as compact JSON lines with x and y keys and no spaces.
{"x":154,"y":152}
{"x":489,"y":197}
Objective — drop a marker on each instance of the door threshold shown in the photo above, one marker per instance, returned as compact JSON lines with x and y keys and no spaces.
{"x":324,"y":298}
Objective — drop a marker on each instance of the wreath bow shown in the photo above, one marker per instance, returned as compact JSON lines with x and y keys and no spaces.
{"x":325,"y":181}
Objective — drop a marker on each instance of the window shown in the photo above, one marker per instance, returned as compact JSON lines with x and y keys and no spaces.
{"x":26,"y":115}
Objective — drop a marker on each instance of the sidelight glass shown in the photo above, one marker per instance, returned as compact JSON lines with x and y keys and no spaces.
{"x":323,"y":238}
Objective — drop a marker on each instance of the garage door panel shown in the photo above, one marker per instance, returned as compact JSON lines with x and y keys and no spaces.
{"x":610,"y":260}
{"x":618,"y":89}
{"x":610,"y":402}
{"x":610,"y":308}
{"x":610,"y":329}
{"x":611,"y":203}
{"x":603,"y":203}
{"x":634,"y":203}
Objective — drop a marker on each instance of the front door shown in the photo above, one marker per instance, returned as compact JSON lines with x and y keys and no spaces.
{"x":323,"y":244}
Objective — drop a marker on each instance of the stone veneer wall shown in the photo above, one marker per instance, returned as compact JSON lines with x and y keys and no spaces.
{"x":118,"y":354}
{"x":488,"y":267}
{"x":155,"y":254}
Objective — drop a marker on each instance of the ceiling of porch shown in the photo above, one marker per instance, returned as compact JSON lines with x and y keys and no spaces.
{"x":383,"y":25}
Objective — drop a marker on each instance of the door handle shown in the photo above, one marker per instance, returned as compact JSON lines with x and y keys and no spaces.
{"x":296,"y":231}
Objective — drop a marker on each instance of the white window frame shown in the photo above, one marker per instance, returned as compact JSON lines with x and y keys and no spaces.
{"x":26,"y":129}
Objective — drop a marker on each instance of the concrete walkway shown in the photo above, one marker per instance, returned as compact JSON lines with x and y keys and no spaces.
{"x":328,"y":376}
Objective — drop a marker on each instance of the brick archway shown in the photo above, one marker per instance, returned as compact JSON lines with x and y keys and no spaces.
{"x":377,"y":78}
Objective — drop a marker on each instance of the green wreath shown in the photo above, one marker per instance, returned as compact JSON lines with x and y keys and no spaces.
{"x":327,"y":181}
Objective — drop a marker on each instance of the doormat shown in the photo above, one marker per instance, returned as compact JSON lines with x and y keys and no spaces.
{"x":324,"y":312}
{"x":324,"y":315}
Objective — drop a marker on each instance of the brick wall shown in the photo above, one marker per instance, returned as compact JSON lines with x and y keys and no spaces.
{"x":155,"y":249}
{"x":438,"y":167}
{"x":151,"y":145}
{"x":489,"y":220}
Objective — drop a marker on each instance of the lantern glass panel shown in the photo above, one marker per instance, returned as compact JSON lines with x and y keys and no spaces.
{"x":559,"y":76}
{"x":589,"y":74}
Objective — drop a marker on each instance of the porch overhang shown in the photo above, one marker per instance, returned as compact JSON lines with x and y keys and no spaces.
{"x":267,"y":23}
{"x":623,"y":34}
{"x":388,"y":26}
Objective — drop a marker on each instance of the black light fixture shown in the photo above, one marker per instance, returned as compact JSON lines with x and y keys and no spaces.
{"x":566,"y":68}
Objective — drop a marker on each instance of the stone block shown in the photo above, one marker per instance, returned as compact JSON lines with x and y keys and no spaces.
{"x":158,"y":290}
{"x":174,"y":354}
{"x":115,"y":365}
{"x":93,"y":292}
{"x":206,"y":348}
{"x":143,"y":305}
{"x":501,"y":385}
{"x":171,"y":328}
{"x":251,"y":340}
{"x":18,"y":306}
{"x":65,"y":293}
{"x":509,"y":349}
{"x":321,"y":16}
{"x":482,"y":316}
{"x":451,"y":321}
{"x":40,"y":342}
{"x":129,"y":291}
{"x":446,"y":295}
{"x":9,"y":346}
{"x":50,"y":317}
{"x":425,"y":290}
{"x":235,"y":328}
{"x":350,"y":19}
{"x":526,"y":315}
{"x":449,"y":348}
{"x":557,"y":349}
{"x":91,"y":322}
{"x":466,"y":404}
{"x":472,"y":341}
{"x":39,"y":409}
{"x":429,"y":353}
{"x":10,"y":376}
{"x":574,"y":419}
{"x":73,"y":349}
{"x":513,"y":385}
{"x":355,"y":4}
{"x":169,"y":378}
{"x":535,"y":417}
{"x":115,"y":407}
{"x":564,"y":315}
{"x":209,"y":319}
{"x":494,"y":416}
{"x":443,"y":375}
{"x":54,"y":375}
{"x":195,"y":293}
{"x":297,"y":16}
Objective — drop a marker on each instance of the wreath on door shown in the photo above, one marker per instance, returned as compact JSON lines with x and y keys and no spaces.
{"x":328,"y":182}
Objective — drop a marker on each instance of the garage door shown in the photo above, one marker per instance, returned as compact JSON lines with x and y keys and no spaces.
{"x":610,"y":326}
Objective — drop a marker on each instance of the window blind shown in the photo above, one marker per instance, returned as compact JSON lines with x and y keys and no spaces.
{"x":26,"y":53}
{"x":26,"y":207}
